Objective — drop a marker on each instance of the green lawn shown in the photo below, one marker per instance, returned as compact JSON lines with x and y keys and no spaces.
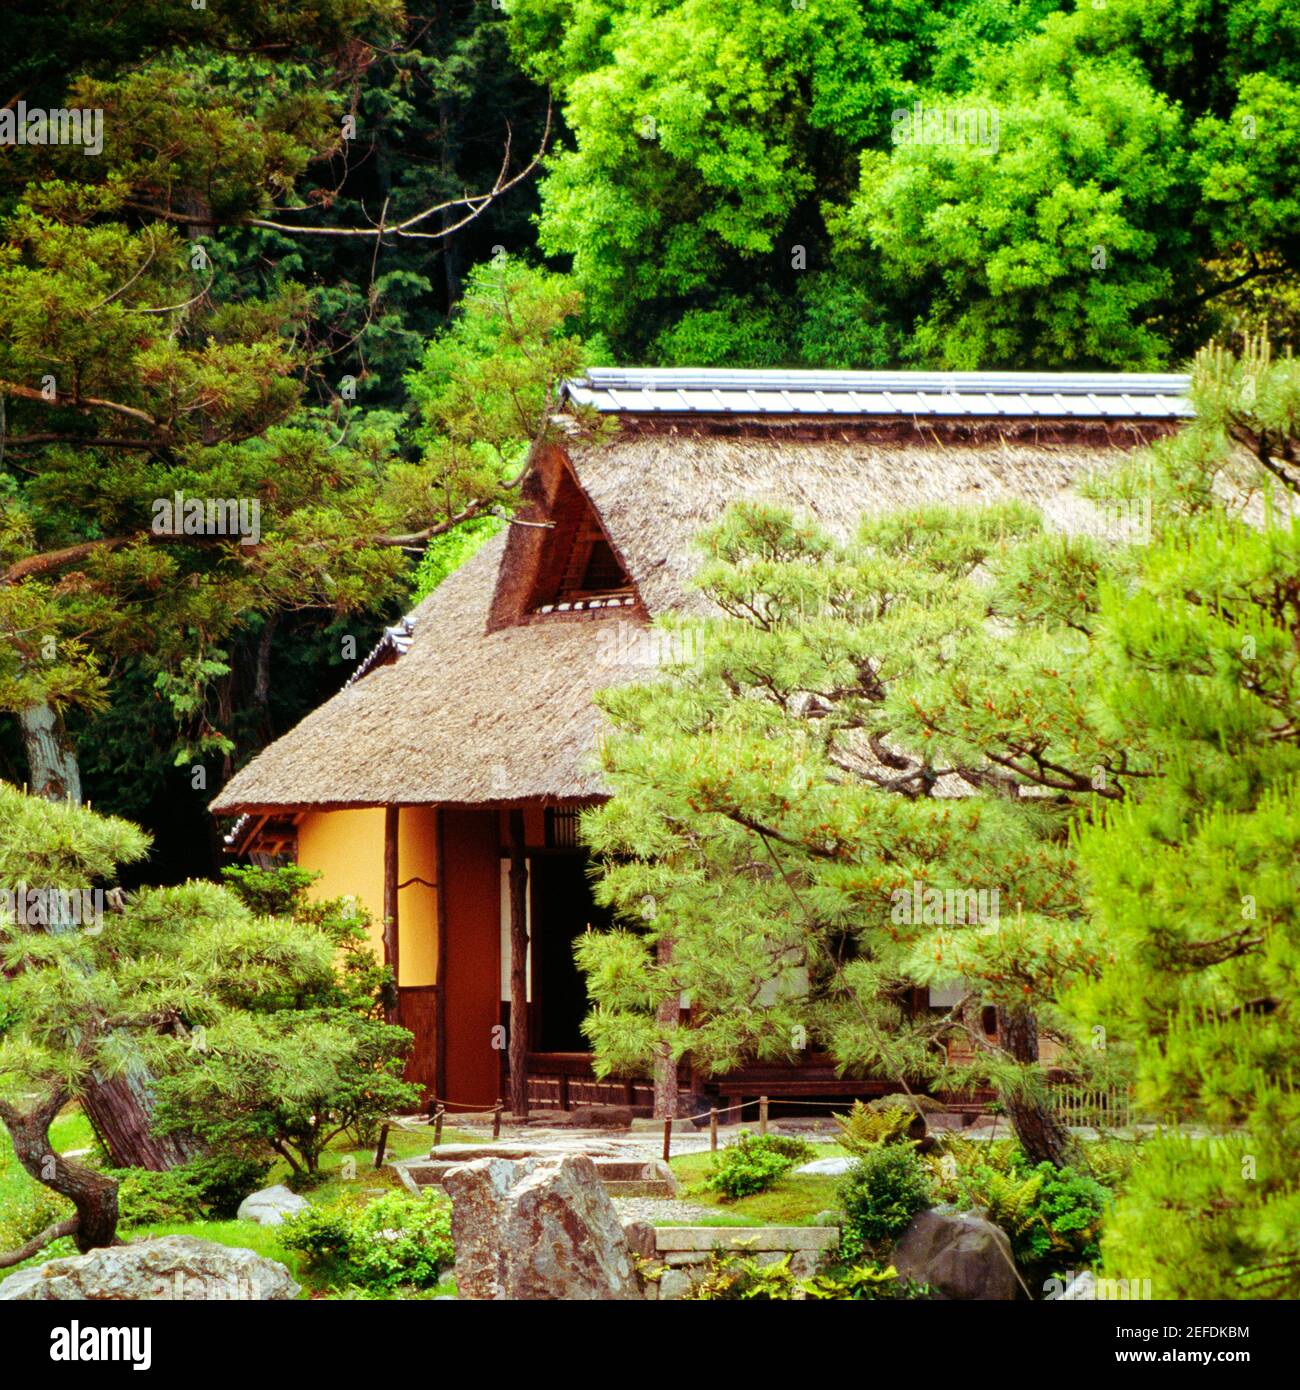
{"x":794,"y":1201}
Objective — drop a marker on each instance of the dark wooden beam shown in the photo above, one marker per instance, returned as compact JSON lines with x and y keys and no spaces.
{"x":518,"y":967}
{"x":440,"y":1002}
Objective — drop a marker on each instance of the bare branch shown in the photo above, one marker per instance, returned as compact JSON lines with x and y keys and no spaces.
{"x":66,"y":1227}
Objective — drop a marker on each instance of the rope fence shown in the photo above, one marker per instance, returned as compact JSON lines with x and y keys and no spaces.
{"x":1073,"y":1105}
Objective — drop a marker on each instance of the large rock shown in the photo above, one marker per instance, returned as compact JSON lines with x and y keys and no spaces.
{"x":531,"y":1230}
{"x":172,"y":1267}
{"x":959,"y":1254}
{"x":271,"y":1205}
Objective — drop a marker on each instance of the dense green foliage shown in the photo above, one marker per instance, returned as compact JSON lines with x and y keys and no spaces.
{"x":210,"y":1188}
{"x":201,"y":305}
{"x":743,"y":185}
{"x":1195,"y":882}
{"x":381,"y":1245}
{"x":754,"y":1163}
{"x":881,"y":1193}
{"x":733,"y":1279}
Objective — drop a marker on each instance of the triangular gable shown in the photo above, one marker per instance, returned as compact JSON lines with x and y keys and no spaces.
{"x":560,"y":562}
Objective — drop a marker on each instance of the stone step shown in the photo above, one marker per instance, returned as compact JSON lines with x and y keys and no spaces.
{"x":620,"y":1176}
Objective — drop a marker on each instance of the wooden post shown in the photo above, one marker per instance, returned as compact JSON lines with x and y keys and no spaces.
{"x":440,"y":999}
{"x":518,"y":968}
{"x":668,"y":1139}
{"x":391,"y":814}
{"x":564,"y":1091}
{"x":381,"y":1147}
{"x":437,"y":1125}
{"x":762,"y":1114}
{"x":496,"y":1120}
{"x":713,"y":1129}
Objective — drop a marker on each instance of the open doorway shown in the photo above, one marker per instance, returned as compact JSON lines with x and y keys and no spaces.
{"x":562,"y":909}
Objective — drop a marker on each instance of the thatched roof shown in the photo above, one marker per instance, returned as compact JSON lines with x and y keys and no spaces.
{"x":472,"y":716}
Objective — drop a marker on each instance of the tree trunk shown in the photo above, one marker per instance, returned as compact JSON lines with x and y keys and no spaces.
{"x":518,"y":969}
{"x":93,"y":1195}
{"x":120,"y":1111}
{"x":51,"y":758}
{"x":1041,"y":1135}
{"x":667,"y":1016}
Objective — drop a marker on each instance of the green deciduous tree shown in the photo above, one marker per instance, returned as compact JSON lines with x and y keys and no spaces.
{"x":742,"y":188}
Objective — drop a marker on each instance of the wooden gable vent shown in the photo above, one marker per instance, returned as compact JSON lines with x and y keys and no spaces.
{"x":579,"y":570}
{"x":560,"y":562}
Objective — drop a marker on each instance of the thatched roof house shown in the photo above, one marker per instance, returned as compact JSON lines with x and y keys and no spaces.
{"x":481,"y":701}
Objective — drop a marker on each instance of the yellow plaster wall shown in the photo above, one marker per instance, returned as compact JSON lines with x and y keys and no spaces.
{"x":347,"y":849}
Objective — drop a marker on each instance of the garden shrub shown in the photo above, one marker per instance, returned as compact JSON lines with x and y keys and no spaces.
{"x":393,"y":1241}
{"x":1067,"y":1232}
{"x":210,"y":1187}
{"x":145,"y":1198}
{"x":880,"y":1194}
{"x":732,"y":1278}
{"x":754,"y":1163}
{"x":787,"y":1145}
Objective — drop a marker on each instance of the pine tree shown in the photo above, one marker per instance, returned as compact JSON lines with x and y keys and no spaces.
{"x":189,"y":980}
{"x":860,"y":784}
{"x":1195,"y":882}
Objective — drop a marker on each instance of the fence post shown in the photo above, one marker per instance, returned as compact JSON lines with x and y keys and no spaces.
{"x":668,"y":1139}
{"x":381,"y":1146}
{"x":762,"y":1114}
{"x":713,"y":1129}
{"x":496,"y":1120}
{"x":437,"y":1125}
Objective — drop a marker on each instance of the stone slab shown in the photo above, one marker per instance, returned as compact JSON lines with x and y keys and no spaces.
{"x":745,"y":1238}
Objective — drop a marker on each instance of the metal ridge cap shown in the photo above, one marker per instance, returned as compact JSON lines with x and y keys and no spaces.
{"x":802,"y":381}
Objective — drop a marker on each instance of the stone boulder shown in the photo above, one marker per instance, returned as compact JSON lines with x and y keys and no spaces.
{"x":601,"y":1117}
{"x":827,"y":1167}
{"x":172,"y":1267}
{"x":271,"y":1205}
{"x":959,"y":1254}
{"x":640,"y":1237}
{"x":537,"y":1230}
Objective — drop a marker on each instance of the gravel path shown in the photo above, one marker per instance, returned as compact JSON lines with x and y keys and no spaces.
{"x":655,"y":1209}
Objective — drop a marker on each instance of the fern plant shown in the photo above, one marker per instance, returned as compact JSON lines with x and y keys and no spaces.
{"x":863,"y":1130}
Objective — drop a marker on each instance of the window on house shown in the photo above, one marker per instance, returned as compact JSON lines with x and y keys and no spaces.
{"x":561,"y":828}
